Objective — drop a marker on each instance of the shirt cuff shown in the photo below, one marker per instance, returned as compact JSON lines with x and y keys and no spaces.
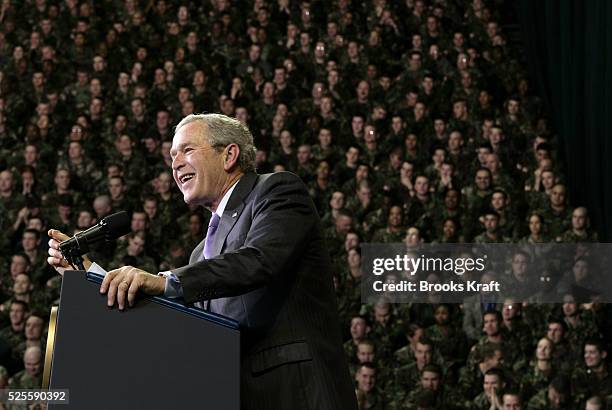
{"x":173,"y":288}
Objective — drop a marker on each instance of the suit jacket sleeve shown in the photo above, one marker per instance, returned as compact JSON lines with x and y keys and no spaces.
{"x":283,"y":218}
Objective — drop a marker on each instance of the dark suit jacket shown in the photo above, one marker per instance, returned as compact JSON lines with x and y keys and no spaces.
{"x":273,"y":275}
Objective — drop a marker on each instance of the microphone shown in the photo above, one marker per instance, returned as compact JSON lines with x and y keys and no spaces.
{"x":109,"y":228}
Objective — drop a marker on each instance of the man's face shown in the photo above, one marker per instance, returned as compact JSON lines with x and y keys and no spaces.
{"x":382,"y":314}
{"x":31,"y":362}
{"x":491,"y":325}
{"x":483,"y":180}
{"x":343,"y":224}
{"x":139,"y":221}
{"x":303,"y":154}
{"x":115,"y":187}
{"x":365,"y":353}
{"x":579,"y":218}
{"x":197,"y":167}
{"x":557,"y":195}
{"x":18,"y":265}
{"x":62,"y":179}
{"x":451,"y":199}
{"x":421,"y":185}
{"x":491,"y":384}
{"x":6,"y":181}
{"x":136,"y":245}
{"x":555,"y":398}
{"x":510,"y":310}
{"x":490,"y":223}
{"x":150,"y":207}
{"x":422,"y":354}
{"x":85,"y":220}
{"x":29,"y":241}
{"x":337,"y":200}
{"x":593,"y":357}
{"x":22,"y":285}
{"x":16,"y":314}
{"x":34,"y":328}
{"x":366,"y":378}
{"x":430,"y":381}
{"x":358,"y":328}
{"x":555,"y":332}
{"x":519,"y":265}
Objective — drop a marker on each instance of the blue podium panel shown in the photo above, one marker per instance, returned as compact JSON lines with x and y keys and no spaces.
{"x":156,"y":355}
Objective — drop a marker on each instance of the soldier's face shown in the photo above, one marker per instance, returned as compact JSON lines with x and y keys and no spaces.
{"x":442,"y":315}
{"x":33,"y":328}
{"x":16,"y":314}
{"x":579,"y":218}
{"x":483,"y":181}
{"x":422,"y":354}
{"x":555,"y":332}
{"x":511,"y":402}
{"x":358,"y":328}
{"x":557,"y":196}
{"x":430,"y":381}
{"x":382,"y":315}
{"x":491,"y":325}
{"x":555,"y":398}
{"x":365,"y":353}
{"x":491,"y":384}
{"x":31,"y":362}
{"x":592,"y":356}
{"x":366,"y":378}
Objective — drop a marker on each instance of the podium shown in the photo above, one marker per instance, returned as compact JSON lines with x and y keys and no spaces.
{"x":158,"y":354}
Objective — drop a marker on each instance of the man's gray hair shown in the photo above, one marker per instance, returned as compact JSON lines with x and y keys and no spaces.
{"x":225,"y":130}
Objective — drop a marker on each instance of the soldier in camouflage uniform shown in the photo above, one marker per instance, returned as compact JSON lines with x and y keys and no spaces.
{"x":556,"y":213}
{"x":537,"y":374}
{"x":496,"y":334}
{"x":492,"y":386}
{"x":594,"y":376}
{"x":407,"y":376}
{"x":13,"y":334}
{"x":471,"y":379}
{"x":359,"y":330}
{"x":580,"y":231}
{"x":31,"y":376}
{"x":492,"y":233}
{"x":555,"y":397}
{"x":444,"y":396}
{"x":369,"y":395}
{"x":394,"y":232}
{"x":580,"y":324}
{"x":450,"y":342}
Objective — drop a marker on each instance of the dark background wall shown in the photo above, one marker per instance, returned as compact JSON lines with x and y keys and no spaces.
{"x":569,"y":55}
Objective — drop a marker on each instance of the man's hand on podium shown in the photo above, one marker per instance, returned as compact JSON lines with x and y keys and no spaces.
{"x":56,"y":259}
{"x":127,"y":281}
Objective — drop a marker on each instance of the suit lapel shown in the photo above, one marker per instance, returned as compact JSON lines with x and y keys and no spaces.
{"x":232,"y":211}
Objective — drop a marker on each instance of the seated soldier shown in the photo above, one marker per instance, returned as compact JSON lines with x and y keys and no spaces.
{"x":555,"y":396}
{"x":493,"y":385}
{"x":31,"y":376}
{"x":444,"y":397}
{"x":369,"y":396}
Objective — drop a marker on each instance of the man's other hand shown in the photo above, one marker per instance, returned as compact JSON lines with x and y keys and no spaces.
{"x":56,"y":259}
{"x":125,"y":282}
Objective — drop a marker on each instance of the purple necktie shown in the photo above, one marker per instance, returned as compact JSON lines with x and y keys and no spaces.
{"x":210,"y":235}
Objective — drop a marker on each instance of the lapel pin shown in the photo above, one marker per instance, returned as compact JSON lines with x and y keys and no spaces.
{"x":235,"y":214}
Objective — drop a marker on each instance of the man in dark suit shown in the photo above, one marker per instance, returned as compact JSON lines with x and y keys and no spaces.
{"x":263,"y":262}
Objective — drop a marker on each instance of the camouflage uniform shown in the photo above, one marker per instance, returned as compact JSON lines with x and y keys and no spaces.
{"x":22,"y":380}
{"x":570,"y":236}
{"x":586,"y":383}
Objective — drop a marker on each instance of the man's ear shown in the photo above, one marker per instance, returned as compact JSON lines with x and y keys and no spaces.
{"x":230,"y":156}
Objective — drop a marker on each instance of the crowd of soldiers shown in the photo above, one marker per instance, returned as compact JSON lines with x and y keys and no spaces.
{"x":409,"y":121}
